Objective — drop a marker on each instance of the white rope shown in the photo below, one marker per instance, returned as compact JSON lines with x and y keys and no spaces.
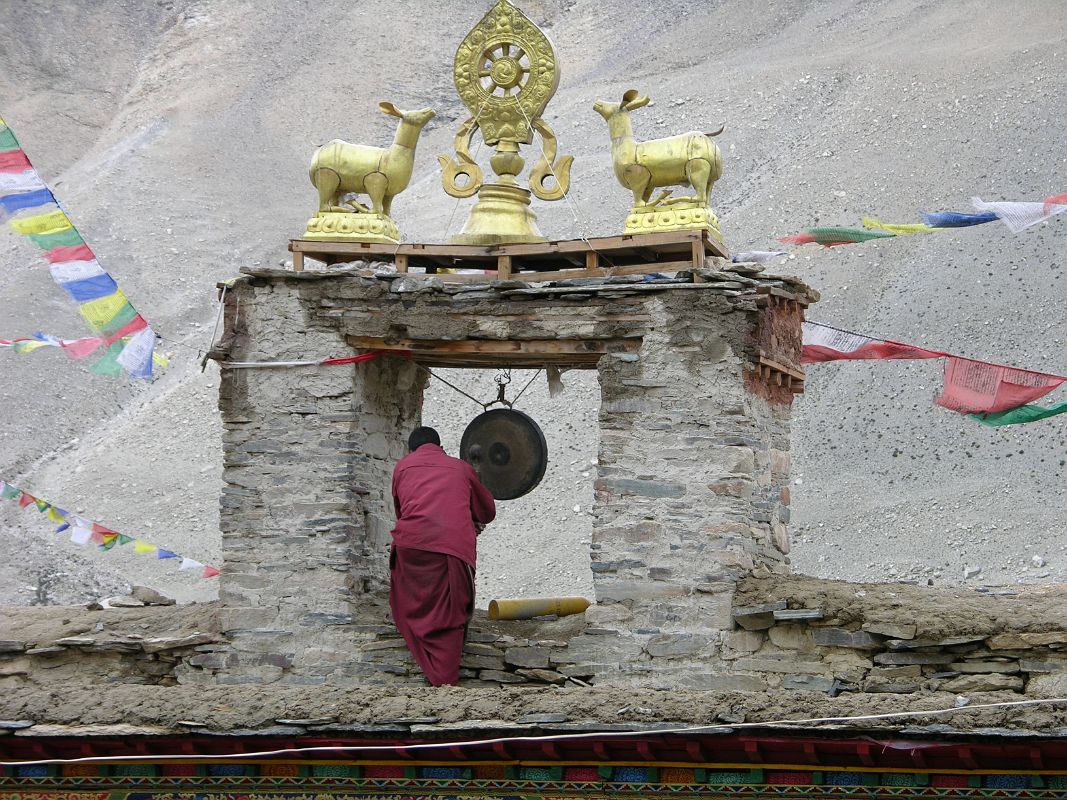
{"x":553,"y":738}
{"x":477,"y":150}
{"x":579,"y":220}
{"x":267,"y":364}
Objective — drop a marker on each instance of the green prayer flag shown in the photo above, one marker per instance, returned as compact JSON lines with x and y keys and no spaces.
{"x":108,"y":366}
{"x":1019,"y":414}
{"x":846,"y":234}
{"x":8,"y":140}
{"x":47,"y":241}
{"x":122,"y":318}
{"x":124,"y":539}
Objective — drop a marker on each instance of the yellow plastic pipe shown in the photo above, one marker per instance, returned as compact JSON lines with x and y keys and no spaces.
{"x":529,"y":607}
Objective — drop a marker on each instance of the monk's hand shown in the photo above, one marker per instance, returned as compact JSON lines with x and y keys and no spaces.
{"x":478,"y":527}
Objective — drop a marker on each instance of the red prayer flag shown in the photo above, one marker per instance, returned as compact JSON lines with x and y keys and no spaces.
{"x":26,"y":499}
{"x":61,"y":255}
{"x":975,"y":387}
{"x":822,"y":343}
{"x":210,"y":571}
{"x":1054,"y":200}
{"x":14,"y":161}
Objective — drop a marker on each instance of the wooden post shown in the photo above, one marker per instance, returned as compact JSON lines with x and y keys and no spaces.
{"x":503,"y":268}
{"x":592,"y":259}
{"x":298,"y":261}
{"x":698,"y":258}
{"x":401,"y":262}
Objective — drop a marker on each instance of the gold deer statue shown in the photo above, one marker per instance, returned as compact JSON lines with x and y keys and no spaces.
{"x":690,"y":159}
{"x":339,"y":168}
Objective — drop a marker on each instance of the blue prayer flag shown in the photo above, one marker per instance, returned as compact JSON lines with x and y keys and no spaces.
{"x":20,"y":200}
{"x":91,"y":288}
{"x":953,"y":219}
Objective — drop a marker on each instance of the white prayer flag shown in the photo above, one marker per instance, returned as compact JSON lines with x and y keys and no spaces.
{"x":1019,"y":216}
{"x":80,"y":535}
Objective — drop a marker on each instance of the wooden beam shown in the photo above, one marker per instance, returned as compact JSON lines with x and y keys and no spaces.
{"x":578,"y":353}
{"x":298,"y":261}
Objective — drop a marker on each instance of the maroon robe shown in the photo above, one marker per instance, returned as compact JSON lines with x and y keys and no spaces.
{"x":432,"y":599}
{"x":438,"y":501}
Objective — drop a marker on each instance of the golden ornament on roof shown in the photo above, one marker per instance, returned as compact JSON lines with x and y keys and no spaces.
{"x":505,"y":72}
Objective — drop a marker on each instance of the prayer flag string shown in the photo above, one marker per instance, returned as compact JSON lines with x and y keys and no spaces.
{"x":1017,"y":216}
{"x":84,"y":532}
{"x":122,"y":335}
{"x":994,"y":394}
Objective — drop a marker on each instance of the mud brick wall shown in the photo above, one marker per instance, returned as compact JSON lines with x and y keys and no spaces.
{"x":689,"y":494}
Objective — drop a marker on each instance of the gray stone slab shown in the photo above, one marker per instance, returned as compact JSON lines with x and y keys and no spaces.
{"x":173,"y":643}
{"x":1037,"y":665}
{"x":951,"y":641}
{"x":797,"y":614}
{"x":759,"y":617}
{"x":811,"y":683}
{"x":970,"y":667}
{"x":541,"y":718}
{"x":541,"y":675}
{"x":497,"y":676}
{"x":894,"y":630}
{"x":914,"y":658}
{"x":534,"y":657}
{"x":839,"y":637}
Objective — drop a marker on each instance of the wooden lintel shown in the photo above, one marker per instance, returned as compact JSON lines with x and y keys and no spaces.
{"x":579,"y":353}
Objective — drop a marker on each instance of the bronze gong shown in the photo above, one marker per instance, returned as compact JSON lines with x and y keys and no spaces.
{"x":507,"y":450}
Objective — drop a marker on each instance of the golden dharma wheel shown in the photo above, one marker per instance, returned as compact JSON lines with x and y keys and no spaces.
{"x":506,"y":72}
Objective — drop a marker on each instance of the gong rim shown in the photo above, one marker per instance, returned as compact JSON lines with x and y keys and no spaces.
{"x":536,"y":441}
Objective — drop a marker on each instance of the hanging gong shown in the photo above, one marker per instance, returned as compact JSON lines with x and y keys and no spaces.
{"x":507,"y":450}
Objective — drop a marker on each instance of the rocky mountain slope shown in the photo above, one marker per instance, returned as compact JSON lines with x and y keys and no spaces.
{"x":177,"y":134}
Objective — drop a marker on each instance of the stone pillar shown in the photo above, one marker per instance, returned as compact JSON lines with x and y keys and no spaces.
{"x":685,"y":501}
{"x":306,"y":508}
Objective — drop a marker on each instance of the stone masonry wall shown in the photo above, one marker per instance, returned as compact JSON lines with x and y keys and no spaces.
{"x":688,"y":493}
{"x":306,"y":509}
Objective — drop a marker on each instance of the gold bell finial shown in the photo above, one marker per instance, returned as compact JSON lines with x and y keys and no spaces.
{"x":505,"y":72}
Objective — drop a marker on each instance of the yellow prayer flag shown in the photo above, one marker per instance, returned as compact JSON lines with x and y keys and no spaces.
{"x":902,"y":229}
{"x":100,"y":312}
{"x":143,"y":547}
{"x":55,"y":516}
{"x":41,"y":224}
{"x":160,"y":361}
{"x":28,"y":347}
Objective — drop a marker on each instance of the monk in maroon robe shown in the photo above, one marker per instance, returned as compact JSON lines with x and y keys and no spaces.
{"x":441,"y":507}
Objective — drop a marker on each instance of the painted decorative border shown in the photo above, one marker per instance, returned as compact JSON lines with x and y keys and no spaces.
{"x":295,"y":780}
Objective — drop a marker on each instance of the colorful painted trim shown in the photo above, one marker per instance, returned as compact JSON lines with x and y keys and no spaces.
{"x":289,"y":780}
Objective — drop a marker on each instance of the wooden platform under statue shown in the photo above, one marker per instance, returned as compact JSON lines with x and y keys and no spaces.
{"x":639,"y":254}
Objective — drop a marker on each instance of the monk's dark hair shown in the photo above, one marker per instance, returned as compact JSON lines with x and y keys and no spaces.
{"x":421,"y":436}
